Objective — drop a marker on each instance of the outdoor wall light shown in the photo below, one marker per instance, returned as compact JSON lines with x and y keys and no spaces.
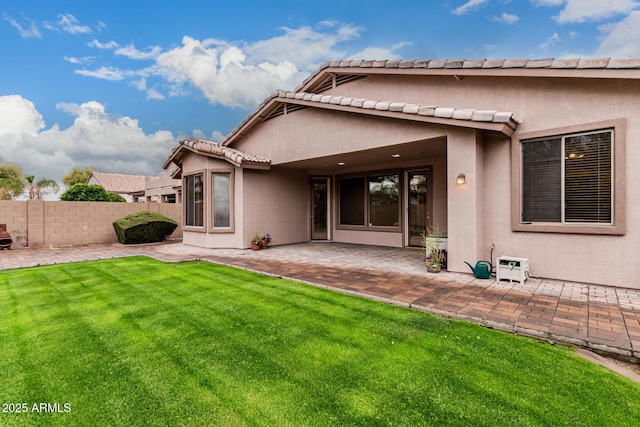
{"x":340,"y":163}
{"x":460,"y":179}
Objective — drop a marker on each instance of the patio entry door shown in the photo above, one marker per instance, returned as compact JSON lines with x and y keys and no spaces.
{"x":419,"y":199}
{"x":319,"y":208}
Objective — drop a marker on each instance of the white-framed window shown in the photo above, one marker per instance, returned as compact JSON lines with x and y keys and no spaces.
{"x":221,"y":200}
{"x":568,"y":179}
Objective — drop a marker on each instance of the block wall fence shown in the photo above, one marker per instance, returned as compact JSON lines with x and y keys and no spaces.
{"x":38,"y":223}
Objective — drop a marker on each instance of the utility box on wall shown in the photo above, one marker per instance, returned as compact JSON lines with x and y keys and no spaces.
{"x":512,"y":269}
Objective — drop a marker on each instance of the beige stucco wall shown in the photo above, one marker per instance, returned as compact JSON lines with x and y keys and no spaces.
{"x":312,"y":133}
{"x":37,"y":223}
{"x":277,"y":202}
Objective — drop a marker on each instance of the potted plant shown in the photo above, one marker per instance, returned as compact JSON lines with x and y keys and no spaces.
{"x":431,"y":239}
{"x":256,"y":242}
{"x":266,"y":239}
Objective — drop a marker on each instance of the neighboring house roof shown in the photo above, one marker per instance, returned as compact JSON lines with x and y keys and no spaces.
{"x":119,"y":182}
{"x":211,"y":149}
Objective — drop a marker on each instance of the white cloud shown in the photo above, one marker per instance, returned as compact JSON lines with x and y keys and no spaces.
{"x":507,"y":18}
{"x":594,"y":10}
{"x":30,"y":31}
{"x":140,"y":84}
{"x":619,"y":40}
{"x":469,"y":6}
{"x":374,"y":53}
{"x":197,"y":133}
{"x":107,"y":73}
{"x":72,"y":60}
{"x":217,"y":136}
{"x":131,"y":52}
{"x":548,"y":2}
{"x":19,"y":116}
{"x":78,"y":61}
{"x":69,"y":24}
{"x":225,"y":76}
{"x":96,"y":139}
{"x":243,"y":75}
{"x":154,"y":94}
{"x":108,"y":45}
{"x":305,"y":47}
{"x":550,"y":41}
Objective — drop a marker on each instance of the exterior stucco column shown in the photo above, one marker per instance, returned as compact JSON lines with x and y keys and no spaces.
{"x":464,"y":216}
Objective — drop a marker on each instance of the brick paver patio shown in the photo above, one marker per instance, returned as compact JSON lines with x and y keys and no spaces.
{"x":601,"y":318}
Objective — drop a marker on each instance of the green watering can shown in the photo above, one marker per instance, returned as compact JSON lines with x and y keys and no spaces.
{"x":482,"y":270}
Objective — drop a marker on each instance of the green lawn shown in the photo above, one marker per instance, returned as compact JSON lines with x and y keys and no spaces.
{"x":135,"y":341}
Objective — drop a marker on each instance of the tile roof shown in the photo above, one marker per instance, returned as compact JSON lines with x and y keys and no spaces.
{"x":572,"y":67}
{"x":403,"y":107}
{"x":578,"y":63}
{"x":610,"y":67}
{"x":229,"y":154}
{"x":120,"y":182}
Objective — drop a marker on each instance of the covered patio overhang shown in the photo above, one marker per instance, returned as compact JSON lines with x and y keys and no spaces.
{"x":388,"y":156}
{"x":283,"y":102}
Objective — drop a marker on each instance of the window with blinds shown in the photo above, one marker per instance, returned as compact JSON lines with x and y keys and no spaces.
{"x":568,"y":179}
{"x":193,"y":201}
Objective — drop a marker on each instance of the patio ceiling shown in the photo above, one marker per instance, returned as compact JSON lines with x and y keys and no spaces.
{"x":375,"y":157}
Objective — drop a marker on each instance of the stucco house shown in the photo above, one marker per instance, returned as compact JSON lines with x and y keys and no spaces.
{"x":140,"y":188}
{"x":130,"y":187}
{"x":535,"y":157}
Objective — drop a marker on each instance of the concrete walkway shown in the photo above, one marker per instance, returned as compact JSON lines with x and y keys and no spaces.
{"x":600,"y":318}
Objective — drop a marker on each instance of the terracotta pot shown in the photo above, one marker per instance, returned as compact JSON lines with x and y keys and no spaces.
{"x":264,"y":244}
{"x":255,"y":246}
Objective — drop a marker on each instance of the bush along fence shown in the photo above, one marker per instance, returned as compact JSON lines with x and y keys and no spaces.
{"x":38,"y":223}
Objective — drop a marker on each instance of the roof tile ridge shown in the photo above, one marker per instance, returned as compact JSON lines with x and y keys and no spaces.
{"x":470,"y":114}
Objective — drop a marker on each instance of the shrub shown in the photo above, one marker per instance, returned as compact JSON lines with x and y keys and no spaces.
{"x":113,"y":197}
{"x":89,"y":193}
{"x":144,"y":227}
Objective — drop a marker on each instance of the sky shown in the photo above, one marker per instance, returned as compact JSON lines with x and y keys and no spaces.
{"x":115,"y":84}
